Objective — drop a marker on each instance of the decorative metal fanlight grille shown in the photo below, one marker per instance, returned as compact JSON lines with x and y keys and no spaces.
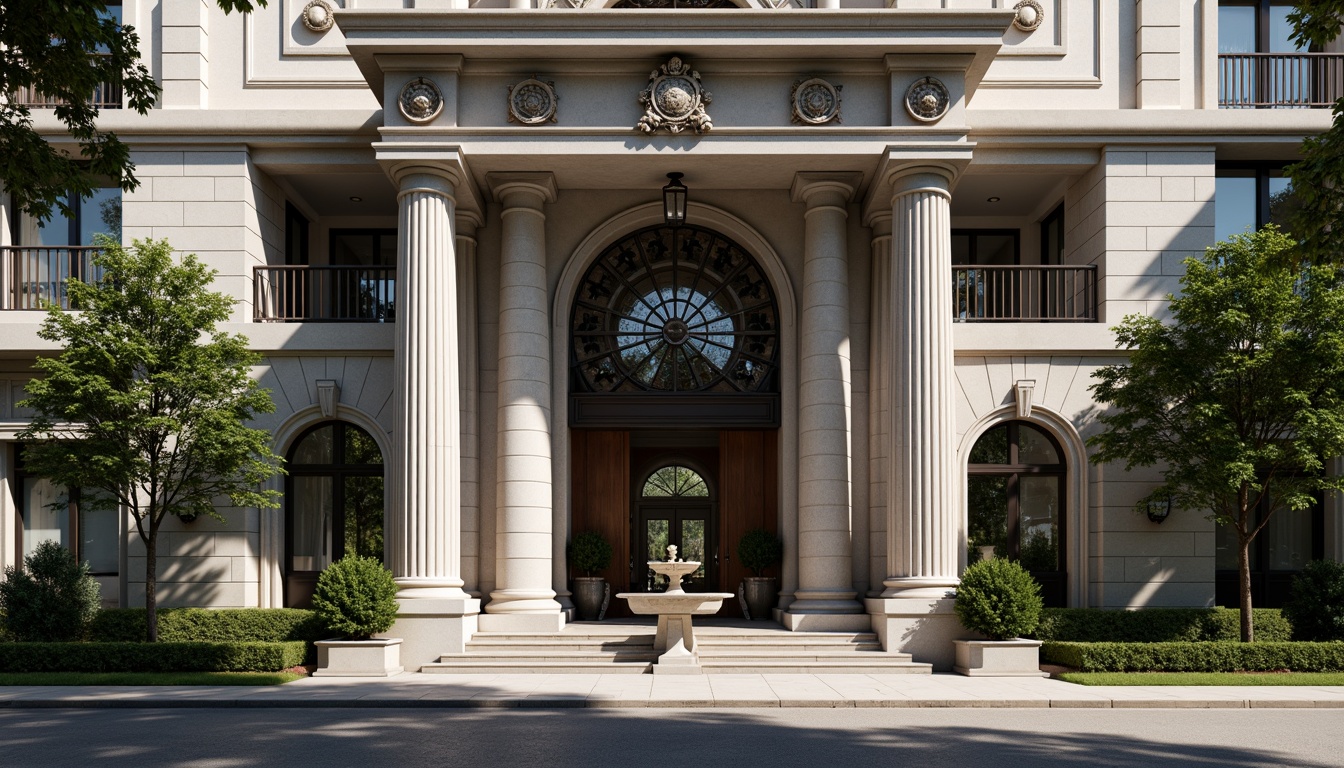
{"x":675,"y":310}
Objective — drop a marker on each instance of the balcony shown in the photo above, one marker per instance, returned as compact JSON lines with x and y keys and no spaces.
{"x":1017,"y":294}
{"x":1282,"y":80}
{"x":324,"y":294}
{"x":34,"y":277}
{"x":105,"y":96}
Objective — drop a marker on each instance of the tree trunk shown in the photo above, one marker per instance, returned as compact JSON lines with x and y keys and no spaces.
{"x":151,"y":568}
{"x":1244,"y":587}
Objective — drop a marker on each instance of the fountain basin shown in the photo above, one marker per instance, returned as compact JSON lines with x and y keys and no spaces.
{"x":674,"y":609}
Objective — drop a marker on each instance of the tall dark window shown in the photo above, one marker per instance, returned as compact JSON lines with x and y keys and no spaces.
{"x":1015,"y":503}
{"x":1052,"y":237}
{"x":296,"y":236}
{"x":334,"y":504}
{"x":985,"y":247}
{"x":1287,"y":543}
{"x":96,"y":215}
{"x":364,"y":247}
{"x":1249,"y":196}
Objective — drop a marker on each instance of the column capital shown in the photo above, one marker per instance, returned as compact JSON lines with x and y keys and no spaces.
{"x":921,"y":178}
{"x":825,"y":188}
{"x":880,"y":223}
{"x":465,"y":224}
{"x":428,"y":175}
{"x":525,"y":189}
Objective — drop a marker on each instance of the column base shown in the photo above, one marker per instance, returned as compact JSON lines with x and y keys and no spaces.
{"x":825,"y":622}
{"x":921,"y":627}
{"x":420,"y":588}
{"x":522,"y":622}
{"x":429,"y":628}
{"x":920,"y":588}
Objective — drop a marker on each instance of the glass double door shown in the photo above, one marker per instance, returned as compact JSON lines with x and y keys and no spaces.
{"x":691,"y":528}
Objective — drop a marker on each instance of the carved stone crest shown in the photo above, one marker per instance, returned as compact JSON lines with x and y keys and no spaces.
{"x":316,"y":16}
{"x":674,"y":100}
{"x":533,"y":102}
{"x":927,"y":99}
{"x":816,"y":102}
{"x":420,"y":100}
{"x":1029,"y":16}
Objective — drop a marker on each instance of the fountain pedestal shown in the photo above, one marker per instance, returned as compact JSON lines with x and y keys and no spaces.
{"x":674,"y":609}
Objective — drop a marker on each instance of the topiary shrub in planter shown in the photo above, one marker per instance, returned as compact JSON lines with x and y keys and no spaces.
{"x":759,"y":549}
{"x":589,"y":552}
{"x":51,"y":599}
{"x":1315,"y":605}
{"x":999,"y":599}
{"x":356,"y":597}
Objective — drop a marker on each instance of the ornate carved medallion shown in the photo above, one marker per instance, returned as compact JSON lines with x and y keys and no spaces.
{"x":533,"y":102}
{"x":316,"y":16}
{"x":816,"y":101}
{"x":420,"y":100}
{"x":674,"y":100}
{"x":1029,"y":16}
{"x":927,"y":99}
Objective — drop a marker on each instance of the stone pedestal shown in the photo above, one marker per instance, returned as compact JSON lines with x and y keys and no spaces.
{"x":921,"y":627}
{"x":431,"y":627}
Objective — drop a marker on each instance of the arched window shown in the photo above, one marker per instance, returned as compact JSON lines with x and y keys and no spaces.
{"x":675,"y":309}
{"x":334,"y":503}
{"x":1015,"y":503}
{"x":673,"y":481}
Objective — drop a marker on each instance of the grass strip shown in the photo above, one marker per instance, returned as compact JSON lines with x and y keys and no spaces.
{"x":1203,"y":678}
{"x":147,"y":678}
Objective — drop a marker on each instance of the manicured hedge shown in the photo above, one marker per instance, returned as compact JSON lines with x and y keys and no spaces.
{"x":1196,"y":657}
{"x":199,"y":625}
{"x":1158,"y":625}
{"x":150,"y":657}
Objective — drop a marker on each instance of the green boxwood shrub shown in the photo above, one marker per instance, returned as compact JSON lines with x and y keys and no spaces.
{"x":356,"y":598}
{"x":589,"y":552}
{"x":998,"y":599}
{"x":188,"y":625}
{"x":759,"y":549}
{"x":1316,"y":603}
{"x":1196,"y":657}
{"x":1158,"y":625}
{"x":51,"y":598}
{"x":150,"y":657}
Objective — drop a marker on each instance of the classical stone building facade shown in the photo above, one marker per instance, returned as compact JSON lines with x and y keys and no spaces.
{"x":909,"y":227}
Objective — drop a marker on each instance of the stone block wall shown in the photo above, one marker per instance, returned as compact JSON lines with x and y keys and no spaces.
{"x":1137,"y":215}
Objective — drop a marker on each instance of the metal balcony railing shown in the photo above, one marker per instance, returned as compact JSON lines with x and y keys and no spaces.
{"x":324,"y":294}
{"x":34,"y":277}
{"x":1265,"y":80}
{"x":1031,"y":294}
{"x":105,"y":96}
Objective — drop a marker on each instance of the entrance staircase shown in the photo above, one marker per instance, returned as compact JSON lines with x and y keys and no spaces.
{"x":725,"y":647}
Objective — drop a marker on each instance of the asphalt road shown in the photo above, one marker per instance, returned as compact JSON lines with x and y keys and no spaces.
{"x":670,"y":738}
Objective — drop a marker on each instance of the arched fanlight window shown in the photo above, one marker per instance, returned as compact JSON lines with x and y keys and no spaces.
{"x":1015,"y":503}
{"x":679,"y":309}
{"x":674,"y":481}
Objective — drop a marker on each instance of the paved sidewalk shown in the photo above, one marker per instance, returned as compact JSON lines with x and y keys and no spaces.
{"x":554,"y":691}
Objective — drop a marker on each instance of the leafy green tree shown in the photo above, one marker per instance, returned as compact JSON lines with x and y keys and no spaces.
{"x":1318,"y":178}
{"x":1241,"y":397}
{"x":147,"y":403}
{"x":63,"y":51}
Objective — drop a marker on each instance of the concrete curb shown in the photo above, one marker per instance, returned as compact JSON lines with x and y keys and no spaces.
{"x":105,"y":702}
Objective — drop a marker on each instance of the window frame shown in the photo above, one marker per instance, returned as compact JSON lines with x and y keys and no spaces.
{"x":337,"y":469}
{"x":72,"y":496}
{"x":975,"y":232}
{"x":376,"y":232}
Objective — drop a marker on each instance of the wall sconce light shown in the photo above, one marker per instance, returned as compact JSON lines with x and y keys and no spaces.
{"x":674,"y":201}
{"x":1159,"y":508}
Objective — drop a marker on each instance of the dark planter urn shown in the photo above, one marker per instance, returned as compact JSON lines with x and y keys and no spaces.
{"x":760,"y":594}
{"x":590,"y":597}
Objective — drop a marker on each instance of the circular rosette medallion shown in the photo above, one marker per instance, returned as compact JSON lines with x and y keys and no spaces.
{"x":532,"y":102}
{"x":927,"y":100}
{"x":675,"y":97}
{"x":815,"y":102}
{"x":420,"y":101}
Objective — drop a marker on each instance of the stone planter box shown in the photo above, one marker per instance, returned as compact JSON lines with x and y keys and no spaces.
{"x":379,"y":657}
{"x":998,"y":658}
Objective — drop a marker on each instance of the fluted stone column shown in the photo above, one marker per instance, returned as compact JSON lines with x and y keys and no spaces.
{"x":825,"y":595}
{"x":914,"y":613}
{"x":436,"y":615}
{"x":523,"y":599}
{"x":879,"y":376}
{"x":470,"y":403}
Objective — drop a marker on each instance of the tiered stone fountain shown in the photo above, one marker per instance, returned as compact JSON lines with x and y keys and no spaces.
{"x":674,"y":609}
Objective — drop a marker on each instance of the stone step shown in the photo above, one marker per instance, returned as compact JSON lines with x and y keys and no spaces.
{"x":576,"y":667}
{"x":858,"y":667}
